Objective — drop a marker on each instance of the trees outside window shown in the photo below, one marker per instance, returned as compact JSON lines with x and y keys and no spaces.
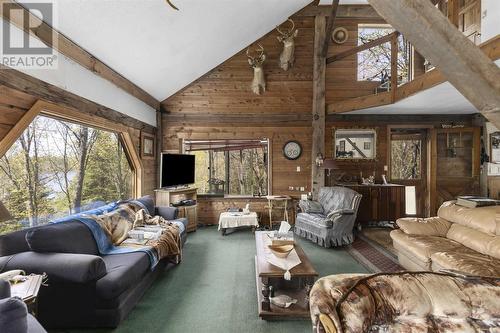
{"x":231,"y":170}
{"x":58,"y":168}
{"x":374,"y":64}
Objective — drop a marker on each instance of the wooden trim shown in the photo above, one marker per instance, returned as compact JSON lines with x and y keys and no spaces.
{"x":16,"y":131}
{"x":42,"y":90}
{"x":133,"y":155}
{"x":363,"y":47}
{"x":433,"y":173}
{"x":394,"y":66}
{"x":453,"y":11}
{"x":360,"y":103}
{"x":329,"y":27}
{"x":343,"y":11}
{"x":69,"y":114}
{"x":52,"y":38}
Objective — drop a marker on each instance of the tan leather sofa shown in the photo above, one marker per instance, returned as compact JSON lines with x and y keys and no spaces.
{"x":459,"y":238}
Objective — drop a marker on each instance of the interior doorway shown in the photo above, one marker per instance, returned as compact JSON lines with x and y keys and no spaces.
{"x":409,"y":166}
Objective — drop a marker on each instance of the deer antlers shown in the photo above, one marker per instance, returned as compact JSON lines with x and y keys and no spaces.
{"x":289,"y":32}
{"x":259,"y":59}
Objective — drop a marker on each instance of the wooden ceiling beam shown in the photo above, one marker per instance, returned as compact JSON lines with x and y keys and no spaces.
{"x":343,"y":11}
{"x":461,"y":62}
{"x":47,"y":34}
{"x":329,"y":27}
{"x":42,"y":90}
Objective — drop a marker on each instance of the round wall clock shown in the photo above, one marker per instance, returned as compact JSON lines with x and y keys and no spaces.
{"x":292,"y":150}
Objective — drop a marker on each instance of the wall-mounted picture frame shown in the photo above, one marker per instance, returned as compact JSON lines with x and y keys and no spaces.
{"x":495,"y":147}
{"x":148,"y":145}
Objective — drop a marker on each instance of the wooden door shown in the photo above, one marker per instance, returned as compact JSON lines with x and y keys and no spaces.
{"x":455,"y":164}
{"x":408,"y":166}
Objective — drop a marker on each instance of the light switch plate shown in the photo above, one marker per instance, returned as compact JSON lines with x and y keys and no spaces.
{"x":302,"y":188}
{"x":386,"y":168}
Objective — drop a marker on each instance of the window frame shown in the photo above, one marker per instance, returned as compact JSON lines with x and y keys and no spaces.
{"x":183,"y":150}
{"x":51,"y":110}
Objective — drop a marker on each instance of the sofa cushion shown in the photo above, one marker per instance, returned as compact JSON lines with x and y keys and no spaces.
{"x":432,"y":226}
{"x":65,"y":237}
{"x":318,"y":219}
{"x":336,"y":197}
{"x":481,"y":218}
{"x":123,"y":271}
{"x":78,"y":268}
{"x":310,"y":206}
{"x":422,"y":247}
{"x":13,"y":316}
{"x":470,"y":262}
{"x":474,"y":239}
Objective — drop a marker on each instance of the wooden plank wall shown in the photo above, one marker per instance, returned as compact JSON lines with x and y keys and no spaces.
{"x":15,"y":103}
{"x":341,"y":76}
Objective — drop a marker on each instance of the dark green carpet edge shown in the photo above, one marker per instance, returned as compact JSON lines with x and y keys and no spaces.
{"x":213,"y":289}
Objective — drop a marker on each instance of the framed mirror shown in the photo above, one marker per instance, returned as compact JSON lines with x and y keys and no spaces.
{"x":355,"y":144}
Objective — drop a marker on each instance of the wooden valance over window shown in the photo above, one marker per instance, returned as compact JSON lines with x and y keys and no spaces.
{"x":223,"y":145}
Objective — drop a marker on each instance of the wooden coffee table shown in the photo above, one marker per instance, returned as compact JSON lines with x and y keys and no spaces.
{"x":270,"y":282}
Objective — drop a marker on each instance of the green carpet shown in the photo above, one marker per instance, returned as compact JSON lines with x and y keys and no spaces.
{"x":213,"y":289}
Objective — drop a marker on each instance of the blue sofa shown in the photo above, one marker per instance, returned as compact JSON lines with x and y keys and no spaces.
{"x":85,"y":289}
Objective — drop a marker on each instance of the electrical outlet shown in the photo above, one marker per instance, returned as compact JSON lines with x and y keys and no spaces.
{"x":302,"y":188}
{"x":290,"y":188}
{"x":298,"y":168}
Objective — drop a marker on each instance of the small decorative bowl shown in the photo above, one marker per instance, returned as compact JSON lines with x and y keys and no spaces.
{"x":281,"y":251}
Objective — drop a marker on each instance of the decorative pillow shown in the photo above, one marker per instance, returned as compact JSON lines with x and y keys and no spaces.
{"x":310,"y":206}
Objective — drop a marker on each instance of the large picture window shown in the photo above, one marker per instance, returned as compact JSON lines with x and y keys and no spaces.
{"x":230,"y":167}
{"x":57,"y":168}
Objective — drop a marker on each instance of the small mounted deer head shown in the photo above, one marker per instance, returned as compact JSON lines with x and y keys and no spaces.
{"x":257,"y":62}
{"x":287,"y":56}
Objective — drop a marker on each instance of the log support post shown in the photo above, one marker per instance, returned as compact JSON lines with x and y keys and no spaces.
{"x":319,"y":106}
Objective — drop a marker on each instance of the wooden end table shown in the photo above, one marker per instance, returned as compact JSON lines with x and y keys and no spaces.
{"x":28,"y":291}
{"x":270,"y":282}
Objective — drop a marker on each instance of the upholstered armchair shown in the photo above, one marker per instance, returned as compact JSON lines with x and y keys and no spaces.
{"x":330,"y":220}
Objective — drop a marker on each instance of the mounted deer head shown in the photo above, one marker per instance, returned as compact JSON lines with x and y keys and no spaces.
{"x":287,"y":56}
{"x":257,"y":62}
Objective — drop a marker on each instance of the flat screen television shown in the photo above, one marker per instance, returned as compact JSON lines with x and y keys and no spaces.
{"x":177,"y":169}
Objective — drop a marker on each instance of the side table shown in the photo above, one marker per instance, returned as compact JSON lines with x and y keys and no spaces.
{"x":28,"y":291}
{"x":236,"y":220}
